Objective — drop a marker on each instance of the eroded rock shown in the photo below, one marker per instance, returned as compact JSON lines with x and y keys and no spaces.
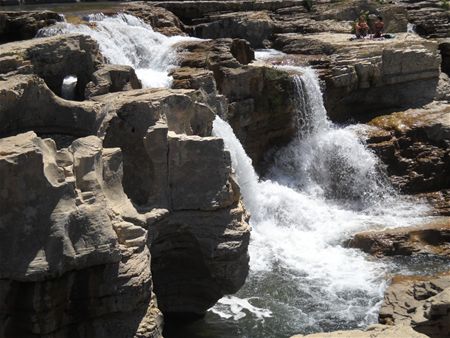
{"x":420,"y":302}
{"x":161,"y":20}
{"x":198,"y":256}
{"x":111,"y":79}
{"x":53,"y":59}
{"x":28,"y":104}
{"x":67,"y":247}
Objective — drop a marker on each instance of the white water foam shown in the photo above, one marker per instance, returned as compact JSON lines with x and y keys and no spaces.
{"x":127,"y":40}
{"x":68,"y":87}
{"x":322,"y":188}
{"x":236,"y":308}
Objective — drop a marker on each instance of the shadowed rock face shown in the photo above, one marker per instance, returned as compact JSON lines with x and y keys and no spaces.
{"x":15,"y":26}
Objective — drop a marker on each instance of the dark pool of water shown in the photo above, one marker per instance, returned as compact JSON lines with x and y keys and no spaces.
{"x":293,"y":310}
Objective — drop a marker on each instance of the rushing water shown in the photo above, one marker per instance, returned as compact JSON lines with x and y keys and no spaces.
{"x":127,"y":40}
{"x":322,"y":188}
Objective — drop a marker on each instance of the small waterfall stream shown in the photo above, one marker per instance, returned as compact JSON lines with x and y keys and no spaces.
{"x":127,"y":40}
{"x":323,"y":187}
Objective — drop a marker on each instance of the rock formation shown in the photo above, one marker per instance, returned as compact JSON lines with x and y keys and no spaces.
{"x":74,"y":254}
{"x":159,"y":18}
{"x":260,"y":22}
{"x":368,"y":77}
{"x":260,"y":110}
{"x":82,"y":247}
{"x":432,"y":238}
{"x":414,"y":146}
{"x":420,"y":302}
{"x":53,"y":59}
{"x":197,"y":226}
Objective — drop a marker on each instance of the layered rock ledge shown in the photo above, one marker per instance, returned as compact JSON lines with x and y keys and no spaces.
{"x":363,"y":78}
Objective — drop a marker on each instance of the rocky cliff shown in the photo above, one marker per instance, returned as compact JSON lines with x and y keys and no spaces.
{"x":106,"y":201}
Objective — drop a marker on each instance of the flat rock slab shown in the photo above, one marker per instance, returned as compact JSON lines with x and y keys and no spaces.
{"x":432,"y":238}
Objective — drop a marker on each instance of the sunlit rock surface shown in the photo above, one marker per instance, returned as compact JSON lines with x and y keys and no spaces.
{"x":70,"y":243}
{"x":420,"y":302}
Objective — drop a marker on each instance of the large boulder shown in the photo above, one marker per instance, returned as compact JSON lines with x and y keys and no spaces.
{"x":255,"y":27}
{"x":74,"y":255}
{"x":181,"y":179}
{"x":138,"y":123}
{"x":112,"y":78}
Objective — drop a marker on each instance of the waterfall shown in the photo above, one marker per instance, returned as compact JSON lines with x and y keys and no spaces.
{"x":68,"y":87}
{"x":323,"y":187}
{"x":411,"y":28}
{"x":126,"y":40}
{"x":325,"y":160}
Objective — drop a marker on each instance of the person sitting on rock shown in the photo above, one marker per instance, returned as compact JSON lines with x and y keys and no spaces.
{"x":378,"y":27}
{"x":361,"y":27}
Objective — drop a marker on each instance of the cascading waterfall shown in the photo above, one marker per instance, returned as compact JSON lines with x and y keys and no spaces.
{"x":327,"y":161}
{"x":126,"y":40}
{"x":323,"y":187}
